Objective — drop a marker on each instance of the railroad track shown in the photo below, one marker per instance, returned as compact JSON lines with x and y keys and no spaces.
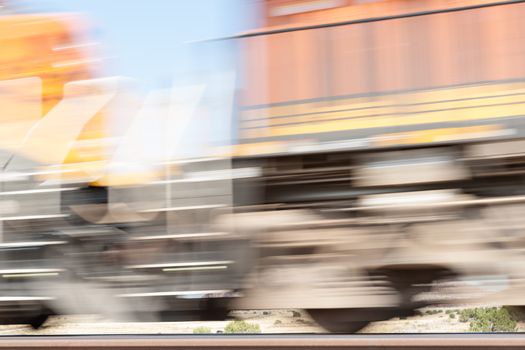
{"x":274,"y":342}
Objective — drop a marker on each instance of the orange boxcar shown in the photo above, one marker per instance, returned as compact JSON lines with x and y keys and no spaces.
{"x":331,"y":70}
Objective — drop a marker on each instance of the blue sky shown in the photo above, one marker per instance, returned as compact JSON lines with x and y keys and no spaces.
{"x":147,"y":40}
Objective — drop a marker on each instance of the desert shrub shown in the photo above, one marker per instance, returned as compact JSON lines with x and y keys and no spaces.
{"x":463,"y":317}
{"x":452,"y":315}
{"x":201,"y":330}
{"x":492,"y":319}
{"x":432,"y":312}
{"x":242,"y":327}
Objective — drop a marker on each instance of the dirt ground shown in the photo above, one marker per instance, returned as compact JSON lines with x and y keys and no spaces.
{"x":431,"y":320}
{"x":275,"y":321}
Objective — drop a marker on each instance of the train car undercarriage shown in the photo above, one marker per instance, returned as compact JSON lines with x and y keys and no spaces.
{"x":361,"y":237}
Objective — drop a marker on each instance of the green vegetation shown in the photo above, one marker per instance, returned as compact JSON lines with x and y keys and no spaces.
{"x":493,"y":319}
{"x":242,"y":327}
{"x":433,"y":311}
{"x":201,"y":330}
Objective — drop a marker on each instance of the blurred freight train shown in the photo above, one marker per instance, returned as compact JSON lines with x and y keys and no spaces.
{"x":388,"y":137}
{"x":379,"y":152}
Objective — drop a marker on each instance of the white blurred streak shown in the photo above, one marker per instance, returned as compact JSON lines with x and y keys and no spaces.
{"x":157,"y":129}
{"x":412,"y":198}
{"x":50,"y":140}
{"x":32,"y":217}
{"x":21,"y":106}
{"x":27,"y":275}
{"x":141,"y":146}
{"x":43,"y":190}
{"x":179,"y":236}
{"x":183,"y":264}
{"x":183,"y":104}
{"x":30,"y":245}
{"x":193,"y":207}
{"x":221,"y":103}
{"x":175,"y":124}
{"x":74,"y":46}
{"x":196,"y":293}
{"x":215,"y":175}
{"x":14,"y":177}
{"x":78,"y":62}
{"x":32,"y":271}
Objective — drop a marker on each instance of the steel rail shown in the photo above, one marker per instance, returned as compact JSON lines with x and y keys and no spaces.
{"x":267,"y":342}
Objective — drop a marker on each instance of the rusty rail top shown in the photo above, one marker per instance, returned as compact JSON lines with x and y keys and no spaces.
{"x":205,"y":342}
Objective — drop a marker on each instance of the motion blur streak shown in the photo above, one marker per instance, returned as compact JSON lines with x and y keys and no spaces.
{"x":362,"y":155}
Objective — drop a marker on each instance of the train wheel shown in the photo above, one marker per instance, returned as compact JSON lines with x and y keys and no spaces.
{"x":338,"y":320}
{"x":37,"y":321}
